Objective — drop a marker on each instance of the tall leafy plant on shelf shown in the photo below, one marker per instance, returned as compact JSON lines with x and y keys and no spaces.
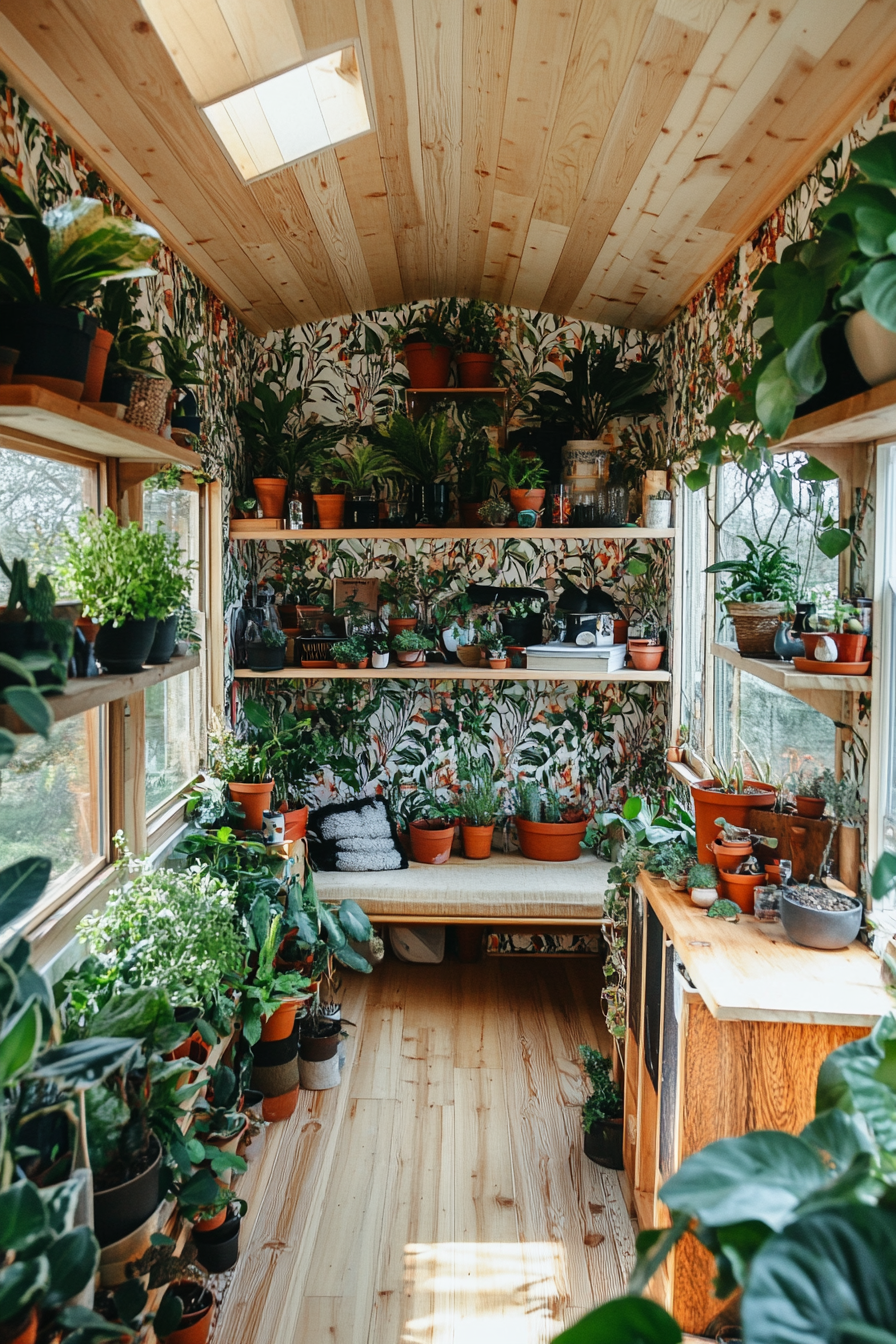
{"x":599,"y":388}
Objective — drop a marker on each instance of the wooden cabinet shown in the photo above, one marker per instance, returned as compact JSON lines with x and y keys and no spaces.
{"x":728,"y":1025}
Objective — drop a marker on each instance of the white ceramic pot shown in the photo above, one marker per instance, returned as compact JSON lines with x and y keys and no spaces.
{"x":704,"y":896}
{"x":872,"y":347}
{"x":379,"y":659}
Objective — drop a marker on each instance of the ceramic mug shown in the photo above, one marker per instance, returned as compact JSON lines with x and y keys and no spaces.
{"x":273,"y":827}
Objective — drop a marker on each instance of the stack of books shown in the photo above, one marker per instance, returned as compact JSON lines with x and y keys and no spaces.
{"x":574,"y":662}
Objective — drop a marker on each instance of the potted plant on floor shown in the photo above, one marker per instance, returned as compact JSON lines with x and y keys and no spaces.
{"x":360,"y":471}
{"x":808,"y":791}
{"x":478,"y":805}
{"x":764,"y":584}
{"x":426,"y":340}
{"x":523,"y":477}
{"x":702,"y":883}
{"x":353,"y":652}
{"x":602,"y":1112}
{"x":548,"y":828}
{"x":421,"y":451}
{"x":411,"y":648}
{"x":73,"y":248}
{"x":477,"y":344}
{"x":125,"y":579}
{"x":732,"y":794}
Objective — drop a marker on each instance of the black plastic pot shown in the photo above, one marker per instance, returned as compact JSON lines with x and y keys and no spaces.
{"x":430,"y":504}
{"x":323,"y":1044}
{"x":164,"y":640}
{"x":18,"y":638}
{"x":262,"y":658}
{"x":603,"y":1144}
{"x":52,"y":342}
{"x":120,"y":1211}
{"x":117,"y":389}
{"x":124,"y":648}
{"x":219,"y":1249}
{"x":842,"y":376}
{"x":362,"y":513}
{"x":268,"y":1054}
{"x":523,"y":630}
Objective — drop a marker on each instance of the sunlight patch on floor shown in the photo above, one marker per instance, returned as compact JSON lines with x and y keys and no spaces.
{"x":483,"y":1293}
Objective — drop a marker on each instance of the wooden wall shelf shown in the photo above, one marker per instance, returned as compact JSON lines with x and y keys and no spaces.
{"x":31,"y":415}
{"x":863,"y":419}
{"x":821,"y":691}
{"x":448,"y":672}
{"x":83,"y":693}
{"x":455,"y":534}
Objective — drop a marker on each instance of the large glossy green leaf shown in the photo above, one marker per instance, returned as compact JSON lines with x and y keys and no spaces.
{"x":354,"y":921}
{"x":19,"y":1040}
{"x":821,"y":1275}
{"x":883,"y":880}
{"x":804,"y":363}
{"x":879,"y":293}
{"x":143,"y":1014}
{"x":833,"y":541}
{"x":776,"y":397}
{"x":31,"y":708}
{"x":347,"y":956}
{"x":21,"y":885}
{"x":73,"y":1259}
{"x":813,"y":470}
{"x":874,"y":223}
{"x":88,"y":1327}
{"x":22,"y":1283}
{"x":16,"y":281}
{"x":854,"y":1078}
{"x":332,"y":929}
{"x":799,"y":300}
{"x":625,"y":1320}
{"x":23,"y":1218}
{"x":653,"y":1246}
{"x":80,"y":1064}
{"x":877,"y":160}
{"x":761,"y":1176}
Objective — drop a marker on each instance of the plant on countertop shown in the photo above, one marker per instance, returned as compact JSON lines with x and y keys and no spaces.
{"x":410,"y":641}
{"x":124,"y":573}
{"x":702,"y":875}
{"x":73,"y":248}
{"x":843,"y":797}
{"x":672,"y":861}
{"x":605,"y":1101}
{"x":600,"y":389}
{"x":808,"y":783}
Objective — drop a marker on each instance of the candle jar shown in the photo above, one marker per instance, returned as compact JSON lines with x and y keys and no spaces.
{"x":561,"y":506}
{"x":767,"y":904}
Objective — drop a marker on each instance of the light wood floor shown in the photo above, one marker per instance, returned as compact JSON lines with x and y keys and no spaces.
{"x":440,"y":1194}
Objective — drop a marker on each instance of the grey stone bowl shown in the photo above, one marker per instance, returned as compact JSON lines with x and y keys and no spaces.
{"x":825,"y":929}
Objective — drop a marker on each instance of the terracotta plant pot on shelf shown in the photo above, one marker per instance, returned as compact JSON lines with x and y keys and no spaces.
{"x":548,"y":841}
{"x":477,"y":840}
{"x":411,"y":657}
{"x":296,"y":821}
{"x":96,"y":365}
{"x":281,"y":1022}
{"x":431,"y":840}
{"x":330,"y":511}
{"x":254,"y":799}
{"x":427,"y":365}
{"x":527,"y":499}
{"x":270,"y":491}
{"x":727,"y":857}
{"x":850,"y":648}
{"x":646,"y":658}
{"x":469,"y":513}
{"x":735,"y":808}
{"x":498,"y":663}
{"x":809,"y":807}
{"x":475,"y":370}
{"x":399,"y":623}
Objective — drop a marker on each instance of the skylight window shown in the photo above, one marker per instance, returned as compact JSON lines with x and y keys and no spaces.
{"x":302,"y":111}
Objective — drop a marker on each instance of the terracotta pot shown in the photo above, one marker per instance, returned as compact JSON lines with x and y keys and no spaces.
{"x":193,"y":1048}
{"x":209,"y":1224}
{"x":475,"y":370}
{"x":431,"y":841}
{"x":809,"y":807}
{"x":498,"y":663}
{"x":649,"y":659}
{"x":739,"y":887}
{"x":527,"y":499}
{"x":411,"y":657}
{"x":811,"y":641}
{"x":773,"y":873}
{"x":399,"y":623}
{"x":270,"y":491}
{"x":296,"y":821}
{"x":330,"y":511}
{"x":477,"y":840}
{"x":728,"y":857}
{"x":96,"y":365}
{"x":23,"y":1333}
{"x":850,"y":648}
{"x":195,"y":1326}
{"x":280,"y":1023}
{"x":427,"y":365}
{"x":254,"y":799}
{"x":555,"y":842}
{"x":282,"y":1107}
{"x":89,"y":628}
{"x":734,"y":807}
{"x":620,"y":631}
{"x":469,"y":513}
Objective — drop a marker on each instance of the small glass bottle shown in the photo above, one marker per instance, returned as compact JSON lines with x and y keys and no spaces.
{"x":767,"y":904}
{"x":296,"y":518}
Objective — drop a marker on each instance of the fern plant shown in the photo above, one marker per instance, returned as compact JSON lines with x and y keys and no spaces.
{"x":422,"y":449}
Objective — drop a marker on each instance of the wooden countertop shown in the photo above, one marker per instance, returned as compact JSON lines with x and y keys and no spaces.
{"x":752,"y":972}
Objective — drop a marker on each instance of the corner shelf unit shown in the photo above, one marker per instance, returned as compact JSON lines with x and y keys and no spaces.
{"x":822,"y":691}
{"x":456,"y":534}
{"x":432,"y":672}
{"x":83,"y":693}
{"x":32,"y":416}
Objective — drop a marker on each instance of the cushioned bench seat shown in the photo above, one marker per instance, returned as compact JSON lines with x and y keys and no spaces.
{"x":505,"y":888}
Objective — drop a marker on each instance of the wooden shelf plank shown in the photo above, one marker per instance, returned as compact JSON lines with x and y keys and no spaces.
{"x":786,"y":678}
{"x":83,"y":693}
{"x":457,"y":391}
{"x":457,"y":534}
{"x":447,"y":672}
{"x":34,"y":414}
{"x":862,"y":419}
{"x":752,"y":972}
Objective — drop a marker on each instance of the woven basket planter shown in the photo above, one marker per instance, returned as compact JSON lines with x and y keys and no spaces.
{"x":755,"y":627}
{"x":149,"y":397}
{"x":470,"y":654}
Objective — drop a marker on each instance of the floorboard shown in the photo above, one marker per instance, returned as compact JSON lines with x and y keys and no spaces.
{"x":440,"y":1195}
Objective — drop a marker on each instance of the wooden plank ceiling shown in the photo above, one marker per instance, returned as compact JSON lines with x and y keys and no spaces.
{"x":595,"y":158}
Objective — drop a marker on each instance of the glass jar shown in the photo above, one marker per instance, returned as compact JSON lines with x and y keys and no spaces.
{"x":767,"y":904}
{"x":583,"y":510}
{"x":617,"y":505}
{"x":561,"y":505}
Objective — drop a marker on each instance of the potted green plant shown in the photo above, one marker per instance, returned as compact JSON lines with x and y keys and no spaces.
{"x":477,"y":344}
{"x":35,"y":638}
{"x":422,"y":452}
{"x":280,"y":446}
{"x":841,"y":622}
{"x":472,"y":455}
{"x":524,"y":478}
{"x":808,"y":791}
{"x":73,"y":248}
{"x":173,"y":587}
{"x":732,"y":793}
{"x":478,"y":805}
{"x":673,"y":861}
{"x":130,"y":355}
{"x":495,"y":511}
{"x":379,"y":652}
{"x":351,"y":652}
{"x":327,"y":493}
{"x":764,"y":584}
{"x":127,"y":580}
{"x":411,"y":647}
{"x":702,"y":883}
{"x":359,"y":471}
{"x":431,"y":829}
{"x":268,"y":652}
{"x":426,"y":340}
{"x":184,"y":374}
{"x":400,"y":596}
{"x":496,"y":649}
{"x":522,"y":621}
{"x":245,"y":769}
{"x":548,"y":829}
{"x":602,"y":1112}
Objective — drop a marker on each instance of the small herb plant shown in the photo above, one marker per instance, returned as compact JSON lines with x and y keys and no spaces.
{"x":672,"y":860}
{"x":479,"y":802}
{"x":767,"y":573}
{"x":236,"y":760}
{"x":605,"y":1101}
{"x":272,"y":638}
{"x":410,"y":641}
{"x":124,"y":573}
{"x":361,"y":467}
{"x":517,"y":472}
{"x":352,"y":651}
{"x":477,"y":331}
{"x":809,"y":783}
{"x":702,"y":875}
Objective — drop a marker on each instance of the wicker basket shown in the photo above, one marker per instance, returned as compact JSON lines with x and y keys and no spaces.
{"x":470,"y":654}
{"x":755,"y":627}
{"x":314,"y":649}
{"x":149,"y":397}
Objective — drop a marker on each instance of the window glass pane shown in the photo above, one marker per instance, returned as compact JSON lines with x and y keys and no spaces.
{"x":774,"y":726}
{"x":694,"y":527}
{"x":40,"y":500}
{"x":174,"y":707}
